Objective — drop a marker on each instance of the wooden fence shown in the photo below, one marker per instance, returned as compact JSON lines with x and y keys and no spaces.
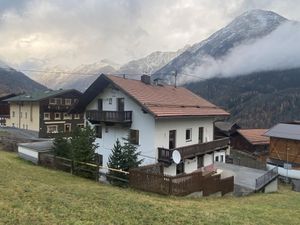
{"x":180,"y":185}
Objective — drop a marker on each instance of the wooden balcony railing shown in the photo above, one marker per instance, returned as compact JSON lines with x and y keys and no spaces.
{"x":109,"y":116}
{"x":165,"y":155}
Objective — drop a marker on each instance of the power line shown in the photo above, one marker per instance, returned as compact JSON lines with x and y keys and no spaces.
{"x":95,"y":74}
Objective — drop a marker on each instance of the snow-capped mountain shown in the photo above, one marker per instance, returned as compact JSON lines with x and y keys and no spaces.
{"x":246,"y":28}
{"x":82,"y":76}
{"x":79,"y":78}
{"x":150,"y":63}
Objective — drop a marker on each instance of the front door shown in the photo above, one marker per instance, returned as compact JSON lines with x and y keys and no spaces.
{"x":120,"y":104}
{"x":172,"y":139}
{"x":100,"y":104}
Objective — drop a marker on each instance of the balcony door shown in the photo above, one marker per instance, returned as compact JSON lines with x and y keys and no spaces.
{"x":120,"y":106}
{"x":200,"y":135}
{"x":100,"y":104}
{"x":172,"y":139}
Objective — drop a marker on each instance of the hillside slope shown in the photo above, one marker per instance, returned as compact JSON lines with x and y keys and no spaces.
{"x":38,"y":195}
{"x":257,"y":100}
{"x":13,"y":81}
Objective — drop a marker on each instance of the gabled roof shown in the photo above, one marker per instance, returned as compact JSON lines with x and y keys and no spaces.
{"x":255,"y":136}
{"x":39,"y":95}
{"x":286,"y":131}
{"x":160,"y":101}
{"x":226,"y":126}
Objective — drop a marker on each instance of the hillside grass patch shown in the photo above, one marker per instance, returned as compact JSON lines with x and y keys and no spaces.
{"x":34,"y":195}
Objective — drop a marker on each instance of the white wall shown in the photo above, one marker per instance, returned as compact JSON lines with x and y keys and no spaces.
{"x":293,"y":174}
{"x":141,"y":121}
{"x":163,"y":126}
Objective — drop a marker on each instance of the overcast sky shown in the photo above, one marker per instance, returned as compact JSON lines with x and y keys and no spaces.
{"x":74,"y":32}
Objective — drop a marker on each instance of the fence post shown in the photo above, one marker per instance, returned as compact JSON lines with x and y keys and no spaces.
{"x":72,"y":166}
{"x":170,"y":185}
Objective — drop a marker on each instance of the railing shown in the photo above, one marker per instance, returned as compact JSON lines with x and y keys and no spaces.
{"x":109,"y":116}
{"x":266,"y":178}
{"x":165,"y":155}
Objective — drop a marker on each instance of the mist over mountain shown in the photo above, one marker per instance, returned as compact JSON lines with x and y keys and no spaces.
{"x":257,"y":100}
{"x":228,"y":51}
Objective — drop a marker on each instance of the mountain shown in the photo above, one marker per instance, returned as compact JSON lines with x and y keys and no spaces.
{"x":245,"y":28}
{"x":83,"y":76}
{"x":13,"y":81}
{"x":258,"y":100}
{"x":150,"y":63}
{"x":79,"y":78}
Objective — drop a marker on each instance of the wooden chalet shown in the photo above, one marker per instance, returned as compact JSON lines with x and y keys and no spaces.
{"x":285,"y":149}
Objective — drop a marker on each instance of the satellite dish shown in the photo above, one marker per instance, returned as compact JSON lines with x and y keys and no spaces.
{"x":176,"y":156}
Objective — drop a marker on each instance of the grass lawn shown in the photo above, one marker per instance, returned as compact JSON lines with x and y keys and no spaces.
{"x":33,"y":195}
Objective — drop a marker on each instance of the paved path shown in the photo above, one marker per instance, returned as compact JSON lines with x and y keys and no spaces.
{"x":243,"y":176}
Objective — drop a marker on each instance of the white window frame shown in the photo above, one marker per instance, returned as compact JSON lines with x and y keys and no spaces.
{"x":190,"y":139}
{"x":52,"y":126}
{"x":67,"y":116}
{"x":56,"y":118}
{"x":52,"y":101}
{"x":45,"y":117}
{"x":13,"y":114}
{"x":69,"y":124}
{"x":68,"y":101}
{"x":76,"y":116}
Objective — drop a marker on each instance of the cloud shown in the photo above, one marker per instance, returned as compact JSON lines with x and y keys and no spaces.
{"x":277,"y":51}
{"x":74,"y":32}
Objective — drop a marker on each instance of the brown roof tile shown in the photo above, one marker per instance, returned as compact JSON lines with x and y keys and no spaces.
{"x":167,"y":101}
{"x":255,"y":136}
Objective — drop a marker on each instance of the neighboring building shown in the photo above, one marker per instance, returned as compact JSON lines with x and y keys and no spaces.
{"x":252,"y":142}
{"x":156,"y":118}
{"x":225,"y":129}
{"x":45,"y":112}
{"x":285,"y":149}
{"x":4,"y":109}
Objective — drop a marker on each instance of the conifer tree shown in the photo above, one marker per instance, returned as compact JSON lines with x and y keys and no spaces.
{"x":61,"y":146}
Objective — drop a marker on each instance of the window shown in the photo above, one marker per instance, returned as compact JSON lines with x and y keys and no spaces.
{"x":57,"y":116}
{"x":180,"y":168}
{"x":81,"y":125}
{"x":217,"y":159}
{"x":46,"y":116}
{"x":20,"y":114}
{"x":222,"y":158}
{"x":58,"y":101}
{"x":76,"y":116}
{"x":134,"y":136}
{"x":200,"y":135}
{"x":67,"y":127}
{"x":55,"y":101}
{"x":188,"y":134}
{"x":68,"y":101}
{"x":25,"y":115}
{"x":110,"y":101}
{"x":67,"y":116}
{"x":13,"y":114}
{"x":52,"y":129}
{"x":98,"y":131}
{"x":52,"y":101}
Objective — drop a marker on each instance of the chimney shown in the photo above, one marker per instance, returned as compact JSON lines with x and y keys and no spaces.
{"x":146,"y":79}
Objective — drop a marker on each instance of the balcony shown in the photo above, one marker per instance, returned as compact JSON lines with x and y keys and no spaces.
{"x":191,"y":151}
{"x":109,"y":117}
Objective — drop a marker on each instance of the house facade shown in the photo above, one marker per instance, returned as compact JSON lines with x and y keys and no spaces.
{"x":46,"y":113}
{"x":285,"y":149}
{"x":252,"y":142}
{"x":4,"y":108}
{"x":157,"y":119}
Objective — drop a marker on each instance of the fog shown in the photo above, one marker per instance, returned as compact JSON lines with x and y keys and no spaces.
{"x":277,"y":51}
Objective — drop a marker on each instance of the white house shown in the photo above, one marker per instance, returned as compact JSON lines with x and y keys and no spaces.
{"x":157,"y":118}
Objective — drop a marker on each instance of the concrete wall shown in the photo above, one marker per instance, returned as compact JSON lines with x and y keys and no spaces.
{"x":293,"y":174}
{"x":28,"y":154}
{"x":19,"y":120}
